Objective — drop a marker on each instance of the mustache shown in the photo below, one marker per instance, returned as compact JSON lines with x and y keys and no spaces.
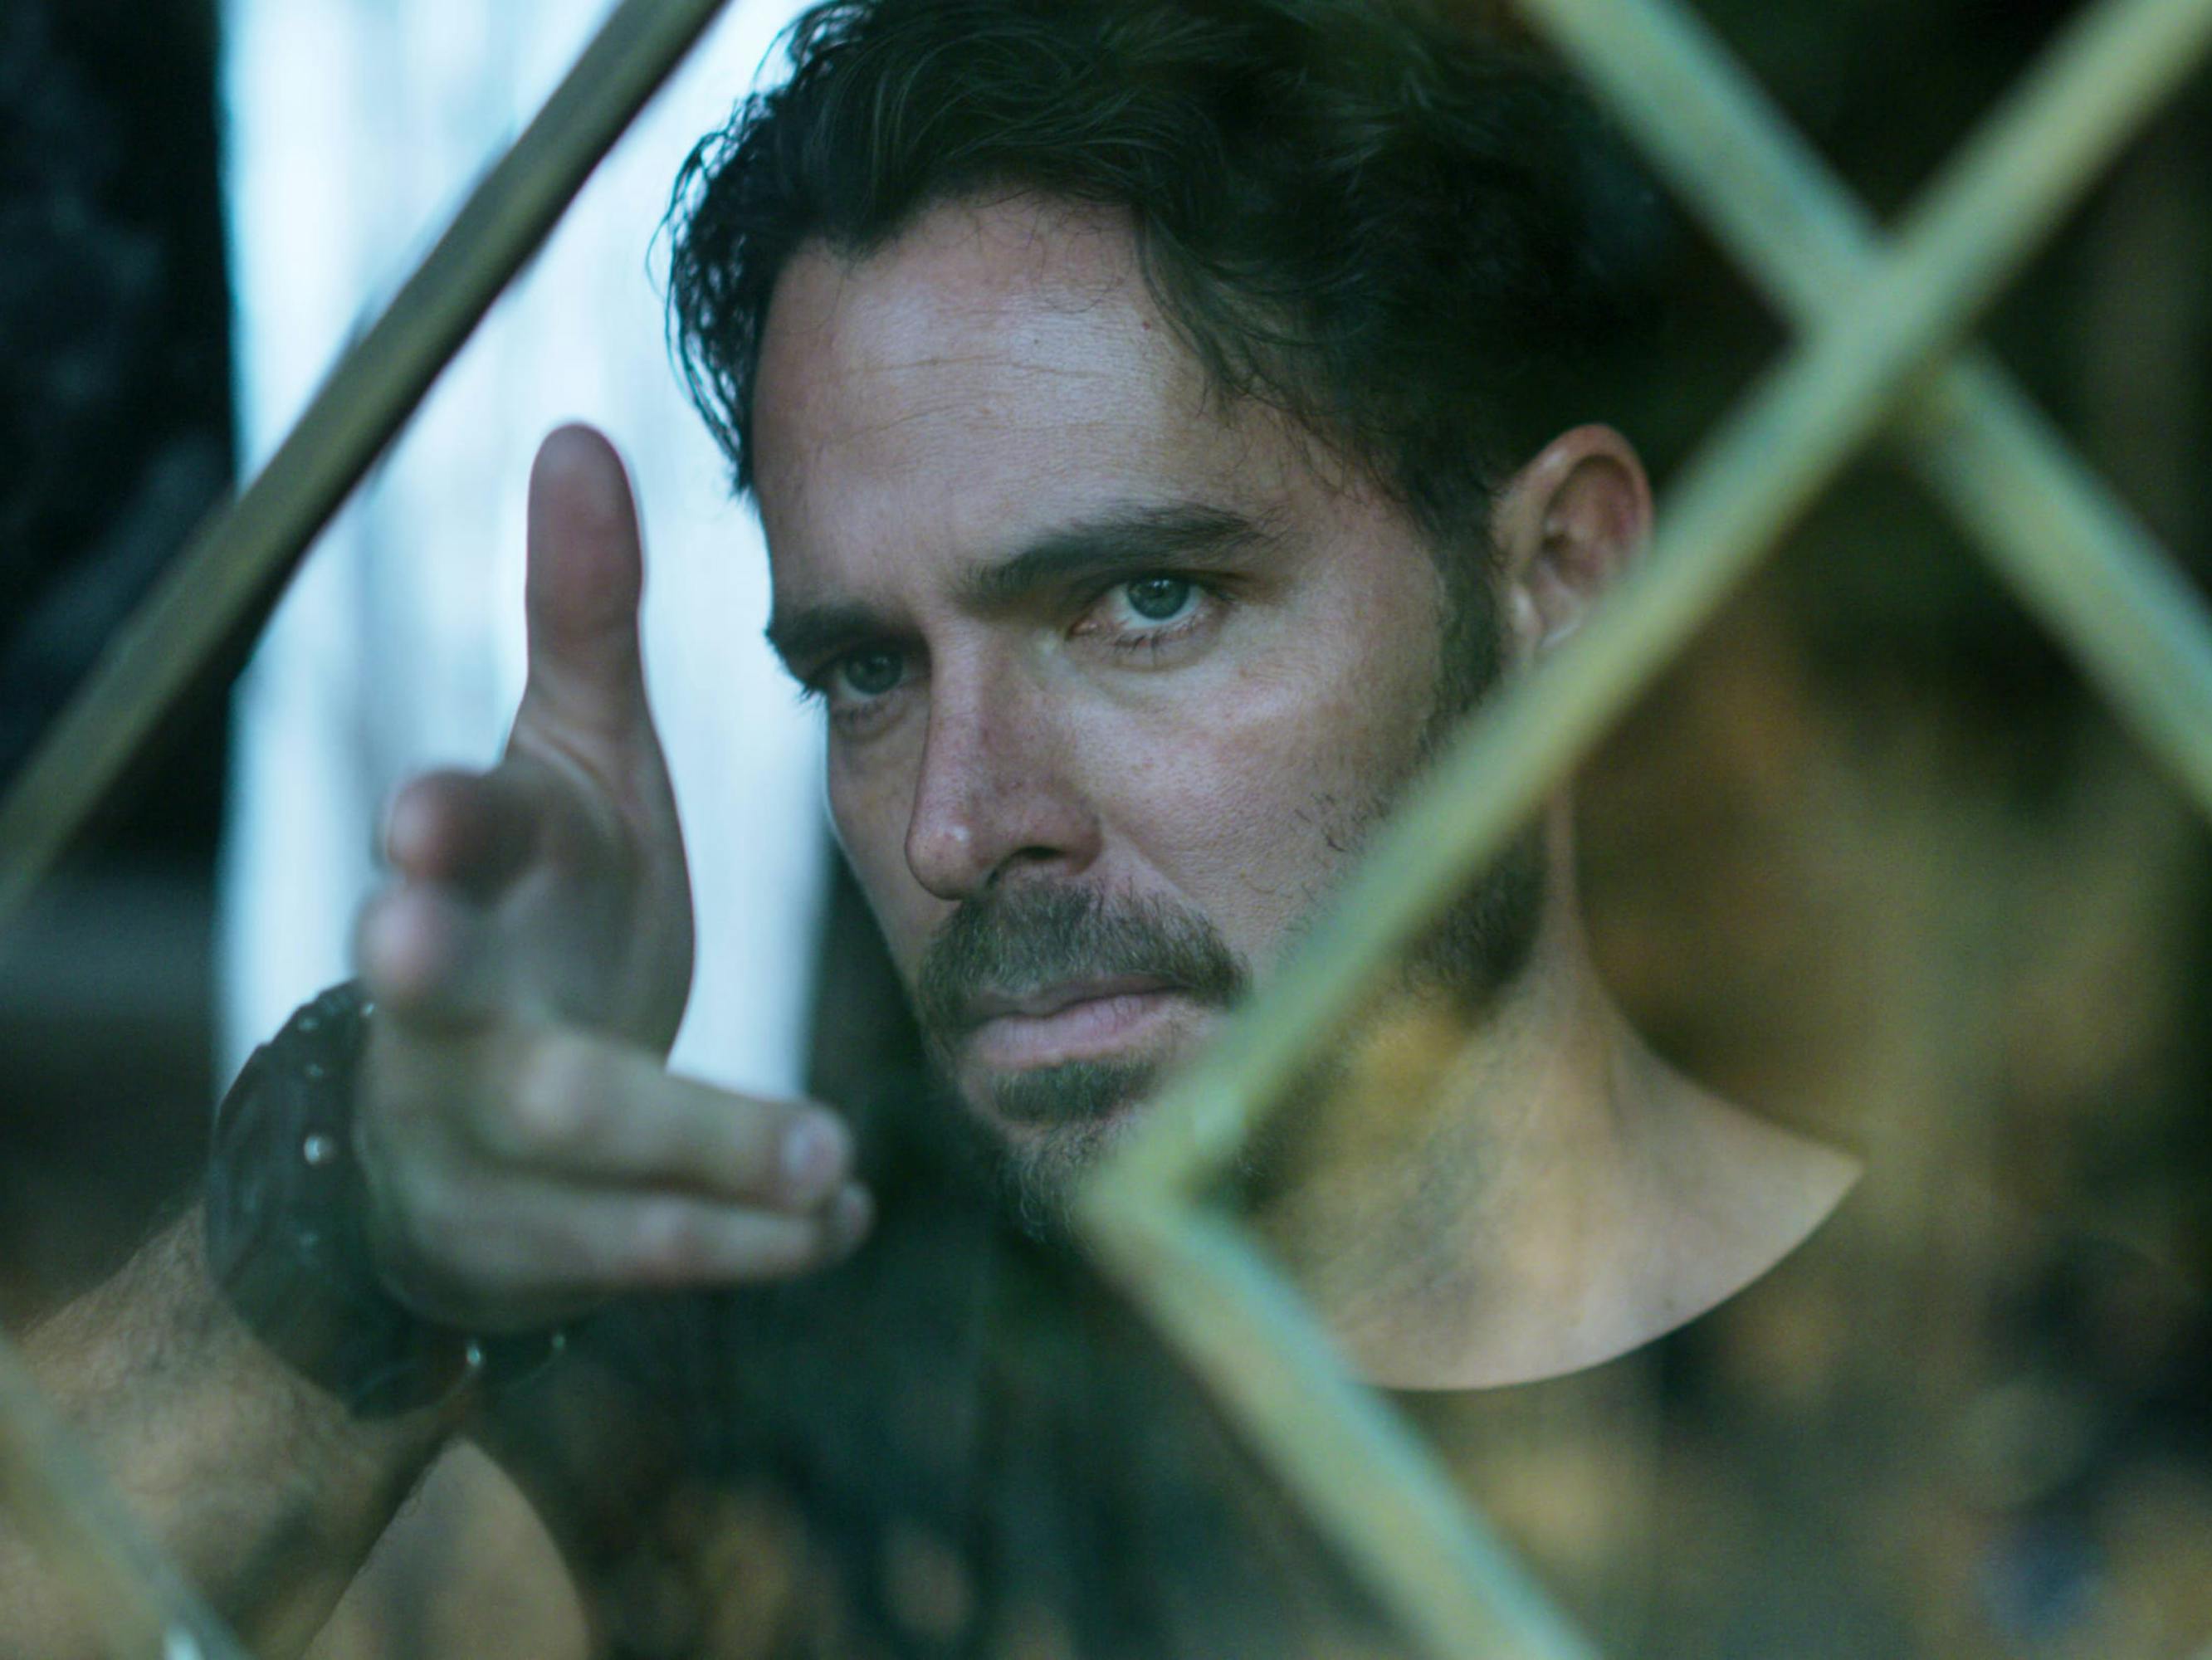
{"x":1020,"y":942}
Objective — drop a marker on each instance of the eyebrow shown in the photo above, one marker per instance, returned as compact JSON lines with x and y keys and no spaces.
{"x":1121,"y":543}
{"x":815,"y":634}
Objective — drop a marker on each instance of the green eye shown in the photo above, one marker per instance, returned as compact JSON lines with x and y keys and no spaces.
{"x":870,"y":673}
{"x":1157,"y":599}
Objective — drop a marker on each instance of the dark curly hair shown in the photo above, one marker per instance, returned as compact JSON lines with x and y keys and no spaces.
{"x":1399,"y":233}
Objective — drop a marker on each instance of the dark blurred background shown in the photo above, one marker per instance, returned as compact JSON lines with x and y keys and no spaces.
{"x":1871,"y":857}
{"x":114,"y":362}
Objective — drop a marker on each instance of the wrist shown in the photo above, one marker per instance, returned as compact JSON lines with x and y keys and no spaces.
{"x":288,"y":1235}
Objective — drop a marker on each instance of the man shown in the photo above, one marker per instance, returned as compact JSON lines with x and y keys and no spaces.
{"x":1153,"y":411}
{"x":1133,"y":606}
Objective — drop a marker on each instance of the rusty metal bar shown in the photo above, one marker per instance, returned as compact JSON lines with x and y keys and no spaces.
{"x":2076,"y":556}
{"x":1363,"y":1475}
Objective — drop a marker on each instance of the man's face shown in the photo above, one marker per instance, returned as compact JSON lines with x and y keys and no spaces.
{"x":1118,"y":676}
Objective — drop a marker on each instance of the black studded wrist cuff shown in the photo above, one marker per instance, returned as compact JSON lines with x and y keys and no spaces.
{"x":287,"y":1236}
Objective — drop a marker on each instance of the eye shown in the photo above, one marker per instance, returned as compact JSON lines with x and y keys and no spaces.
{"x":866,"y":673}
{"x":1159,"y":599}
{"x":1153,"y":615}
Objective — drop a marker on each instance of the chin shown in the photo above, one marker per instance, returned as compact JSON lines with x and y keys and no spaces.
{"x":1041,"y":1102}
{"x":1051,"y":1125}
{"x":1041,"y":1170}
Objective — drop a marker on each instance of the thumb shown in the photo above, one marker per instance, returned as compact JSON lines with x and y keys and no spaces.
{"x":585,"y":573}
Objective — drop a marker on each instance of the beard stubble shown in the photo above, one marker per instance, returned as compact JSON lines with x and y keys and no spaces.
{"x":1010,"y":941}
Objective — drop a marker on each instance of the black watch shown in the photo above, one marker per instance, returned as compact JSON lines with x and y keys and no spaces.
{"x":287,"y":1235}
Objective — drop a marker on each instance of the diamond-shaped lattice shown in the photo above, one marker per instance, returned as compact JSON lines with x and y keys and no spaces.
{"x":1875,"y":323}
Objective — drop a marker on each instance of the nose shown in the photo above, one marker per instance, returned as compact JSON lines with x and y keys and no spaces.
{"x":996,"y":796}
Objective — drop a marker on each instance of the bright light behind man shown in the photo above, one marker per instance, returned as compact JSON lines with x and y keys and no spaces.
{"x":354,"y":128}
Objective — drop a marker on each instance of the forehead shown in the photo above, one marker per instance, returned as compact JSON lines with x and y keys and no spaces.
{"x":1000,"y":368}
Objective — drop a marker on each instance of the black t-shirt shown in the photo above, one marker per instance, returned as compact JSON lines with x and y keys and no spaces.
{"x":1956,"y":1430}
{"x":1966,"y":1440}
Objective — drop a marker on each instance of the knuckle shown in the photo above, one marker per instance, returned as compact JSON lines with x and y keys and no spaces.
{"x":490,"y":1258}
{"x":672,"y":1243}
{"x":379,"y":938}
{"x":374,"y":1142}
{"x":418,"y":802}
{"x":555,"y":1109}
{"x":424,"y":1223}
{"x":804,"y":1151}
{"x":394,"y":1110}
{"x":667,"y":1242}
{"x":440,"y":1209}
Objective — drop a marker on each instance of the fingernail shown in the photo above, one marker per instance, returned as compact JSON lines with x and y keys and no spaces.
{"x":813,"y":1157}
{"x":851,"y":1215}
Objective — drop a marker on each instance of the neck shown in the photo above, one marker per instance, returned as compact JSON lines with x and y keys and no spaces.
{"x":1475,"y":1208}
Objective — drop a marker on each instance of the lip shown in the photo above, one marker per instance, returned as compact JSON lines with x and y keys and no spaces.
{"x":1075,"y":1021}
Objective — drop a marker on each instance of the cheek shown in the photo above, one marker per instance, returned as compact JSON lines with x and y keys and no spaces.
{"x":1252,"y":808}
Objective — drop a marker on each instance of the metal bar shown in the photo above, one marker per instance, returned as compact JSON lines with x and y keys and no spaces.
{"x":1365,"y":1479}
{"x":2005,"y":189}
{"x":245,"y":553}
{"x":139,"y":1603}
{"x":2136,"y":625}
{"x":2077,"y":557}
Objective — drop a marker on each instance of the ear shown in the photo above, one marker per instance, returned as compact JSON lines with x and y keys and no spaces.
{"x":1566,"y":525}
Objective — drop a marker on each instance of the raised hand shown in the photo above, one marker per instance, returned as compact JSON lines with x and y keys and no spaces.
{"x":526,"y":1152}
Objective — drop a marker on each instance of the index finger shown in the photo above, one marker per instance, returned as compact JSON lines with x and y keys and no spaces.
{"x":471,"y":829}
{"x":583,"y":1108}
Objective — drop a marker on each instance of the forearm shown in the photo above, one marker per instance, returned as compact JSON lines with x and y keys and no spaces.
{"x":260,"y":1487}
